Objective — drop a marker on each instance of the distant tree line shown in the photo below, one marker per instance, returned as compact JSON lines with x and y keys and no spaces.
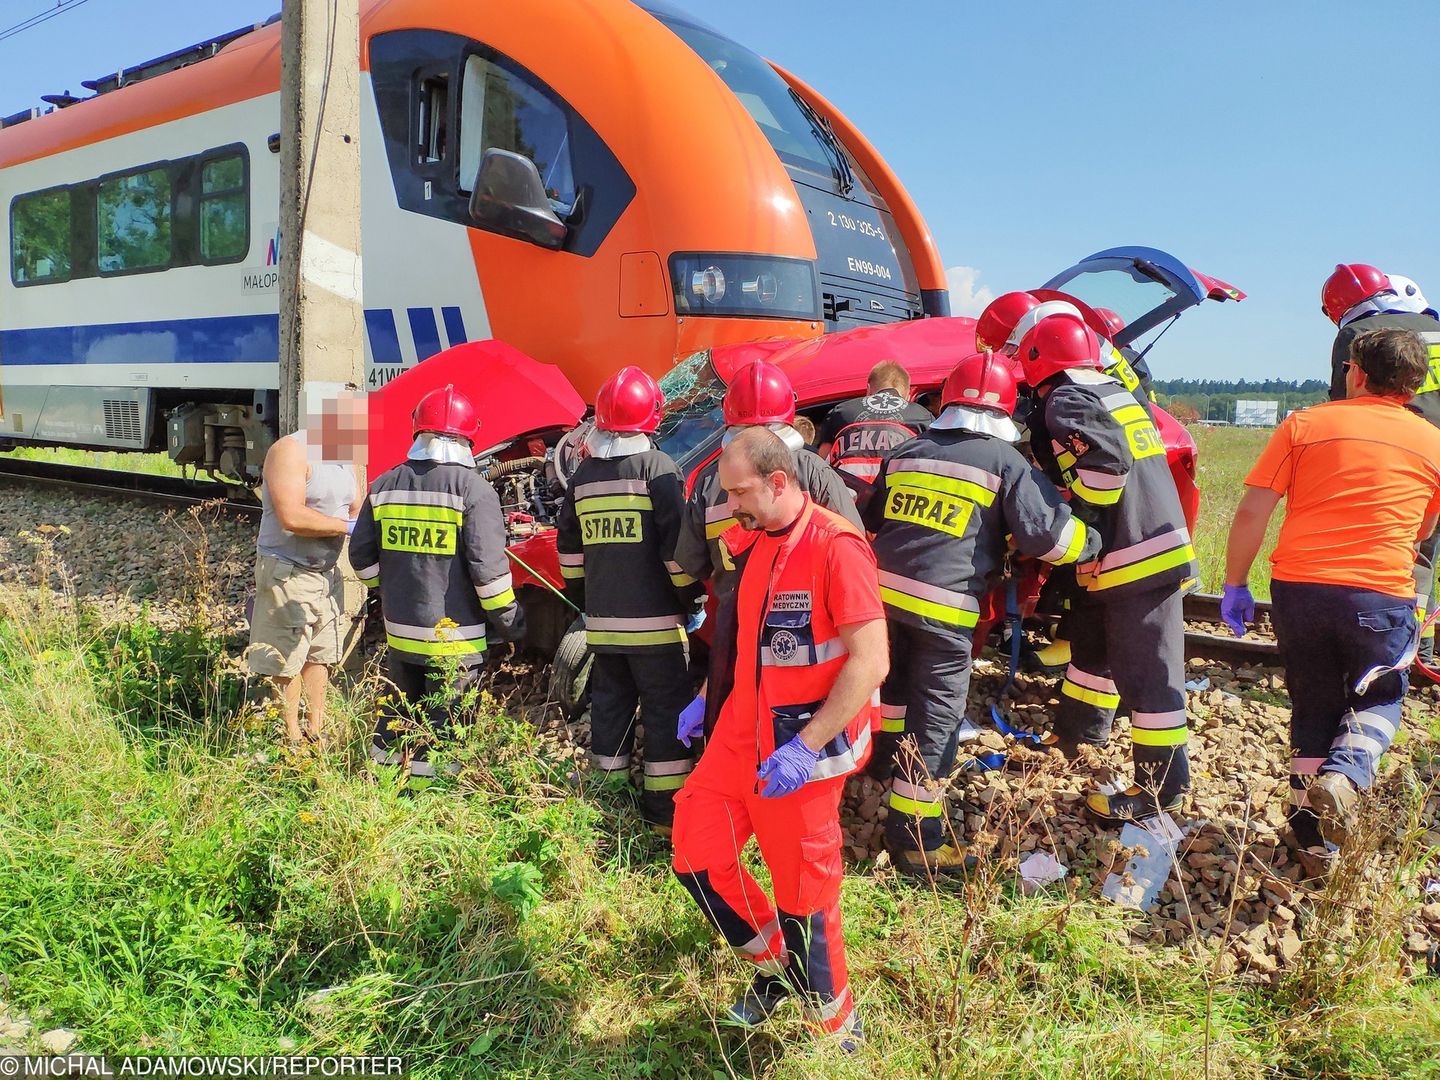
{"x":1214,"y":399}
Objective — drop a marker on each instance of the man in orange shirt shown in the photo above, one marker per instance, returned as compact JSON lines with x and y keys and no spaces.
{"x":1362,"y":477}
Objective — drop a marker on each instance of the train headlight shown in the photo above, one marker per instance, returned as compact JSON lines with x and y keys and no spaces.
{"x":758,"y":286}
{"x":709,"y":284}
{"x":763,"y":287}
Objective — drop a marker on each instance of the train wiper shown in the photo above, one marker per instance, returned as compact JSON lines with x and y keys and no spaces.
{"x":825,"y":134}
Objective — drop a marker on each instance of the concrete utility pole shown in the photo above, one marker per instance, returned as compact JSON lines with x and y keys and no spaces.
{"x":322,"y":341}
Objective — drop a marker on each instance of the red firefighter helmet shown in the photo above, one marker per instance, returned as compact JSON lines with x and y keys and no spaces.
{"x":1112,"y":320}
{"x":1057,"y":344}
{"x":1348,"y":285}
{"x":983,"y":380}
{"x":1034,"y":317}
{"x":1000,"y":317}
{"x":759,"y":393}
{"x":630,"y":400}
{"x":446,"y":411}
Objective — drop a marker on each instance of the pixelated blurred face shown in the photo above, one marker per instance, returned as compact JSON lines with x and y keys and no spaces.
{"x":341,"y":427}
{"x":750,"y":497}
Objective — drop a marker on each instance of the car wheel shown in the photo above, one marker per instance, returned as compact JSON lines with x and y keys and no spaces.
{"x":570,"y":673}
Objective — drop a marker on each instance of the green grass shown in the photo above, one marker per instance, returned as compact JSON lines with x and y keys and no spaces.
{"x":150,"y":464}
{"x":169,"y":883}
{"x":1225,"y":456}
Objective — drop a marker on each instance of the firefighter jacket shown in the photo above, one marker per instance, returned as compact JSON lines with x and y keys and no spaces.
{"x":789,"y":650}
{"x":1426,"y":401}
{"x":944,"y":505}
{"x":1103,"y":446}
{"x":700,"y":551}
{"x":617,"y":533}
{"x":1127,"y":368}
{"x":431,"y":536}
{"x":861,"y":431}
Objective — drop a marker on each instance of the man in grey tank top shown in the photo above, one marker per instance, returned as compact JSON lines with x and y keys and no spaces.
{"x":310,"y":498}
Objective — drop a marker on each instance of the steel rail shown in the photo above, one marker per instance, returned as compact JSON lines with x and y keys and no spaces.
{"x":173,"y":490}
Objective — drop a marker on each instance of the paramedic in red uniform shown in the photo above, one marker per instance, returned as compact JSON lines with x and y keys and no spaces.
{"x":797,"y":721}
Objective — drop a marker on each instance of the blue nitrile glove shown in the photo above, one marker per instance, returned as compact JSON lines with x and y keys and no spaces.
{"x":695,"y":622}
{"x":692,"y":721}
{"x":786,"y":770}
{"x":1237,"y":608}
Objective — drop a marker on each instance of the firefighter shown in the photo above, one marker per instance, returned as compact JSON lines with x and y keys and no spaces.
{"x":1361,"y":481}
{"x":1060,"y":591}
{"x":617,"y":530}
{"x":431,"y":537}
{"x":797,"y":721}
{"x":1128,"y":626}
{"x":944,"y":506}
{"x":857,"y":433}
{"x":759,"y":395}
{"x":1357,"y":297}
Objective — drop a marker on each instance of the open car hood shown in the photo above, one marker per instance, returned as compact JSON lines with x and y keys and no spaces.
{"x":837,"y":365}
{"x":1147,"y":287}
{"x":513,"y":393}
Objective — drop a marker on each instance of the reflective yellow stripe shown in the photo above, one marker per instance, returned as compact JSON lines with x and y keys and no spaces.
{"x":370,"y":582}
{"x":1176,"y":736}
{"x":1432,"y":378}
{"x":914,"y":807}
{"x":400,"y":512}
{"x":1065,"y":459}
{"x":1156,"y":564}
{"x":500,"y":600}
{"x":1090,"y":697}
{"x":572,"y":572}
{"x":1096,"y":498}
{"x":681,"y":580}
{"x":601,"y":503}
{"x":713,"y":529}
{"x":665,"y":783}
{"x":1077,"y":544}
{"x":939,"y":612}
{"x":892,"y":723}
{"x":1129,"y":414}
{"x":950,"y":485}
{"x":436,"y":648}
{"x":635,"y":637}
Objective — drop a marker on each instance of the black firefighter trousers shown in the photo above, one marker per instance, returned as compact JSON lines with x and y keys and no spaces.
{"x":1130,"y":647}
{"x":419,"y":708}
{"x":926,"y":689}
{"x":657,"y":679}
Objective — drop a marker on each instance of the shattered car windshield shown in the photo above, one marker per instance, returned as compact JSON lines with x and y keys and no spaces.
{"x":693,"y":393}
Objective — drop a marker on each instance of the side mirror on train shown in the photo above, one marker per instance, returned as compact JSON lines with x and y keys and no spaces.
{"x":509,"y":198}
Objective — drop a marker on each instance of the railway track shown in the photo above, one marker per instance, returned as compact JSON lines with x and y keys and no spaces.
{"x":166,"y":490}
{"x":1204,"y":608}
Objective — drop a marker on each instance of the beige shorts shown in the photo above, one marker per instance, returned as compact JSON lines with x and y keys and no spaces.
{"x":296,"y":620}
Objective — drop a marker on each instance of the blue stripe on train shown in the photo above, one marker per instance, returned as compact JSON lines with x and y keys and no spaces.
{"x":231,"y":339}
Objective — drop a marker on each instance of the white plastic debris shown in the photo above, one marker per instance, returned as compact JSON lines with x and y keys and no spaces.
{"x":1144,"y":875}
{"x":1038,"y":869}
{"x":968,"y":731}
{"x":1202,"y":683}
{"x":1432,"y":887}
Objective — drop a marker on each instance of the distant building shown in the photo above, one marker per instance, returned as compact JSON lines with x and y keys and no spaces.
{"x":1256,"y":413}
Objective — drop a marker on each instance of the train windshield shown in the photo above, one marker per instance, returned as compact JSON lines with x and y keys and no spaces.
{"x":693,"y":420}
{"x":794,"y":135}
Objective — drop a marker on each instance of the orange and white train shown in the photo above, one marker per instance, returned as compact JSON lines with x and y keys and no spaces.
{"x":694,"y":195}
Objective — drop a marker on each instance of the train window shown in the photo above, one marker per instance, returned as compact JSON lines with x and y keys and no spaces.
{"x":40,"y":237}
{"x":434,"y":120}
{"x":499,"y":109}
{"x":133,"y":217}
{"x":224,"y":209}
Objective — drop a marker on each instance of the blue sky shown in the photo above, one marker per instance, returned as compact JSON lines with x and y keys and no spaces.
{"x":1260,"y":143}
